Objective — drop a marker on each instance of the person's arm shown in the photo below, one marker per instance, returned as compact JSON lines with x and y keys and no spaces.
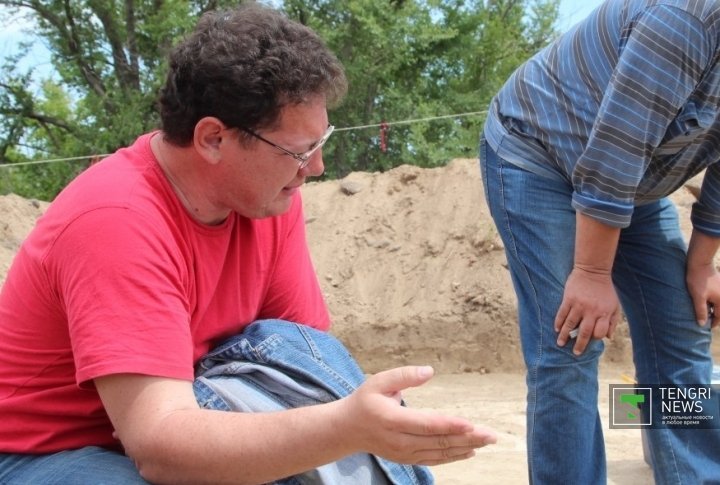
{"x":702,"y":278}
{"x":701,"y":274}
{"x":658,"y":68}
{"x":172,"y":440}
{"x":590,"y":302}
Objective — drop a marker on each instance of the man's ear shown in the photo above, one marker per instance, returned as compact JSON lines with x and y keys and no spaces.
{"x":208,"y":137}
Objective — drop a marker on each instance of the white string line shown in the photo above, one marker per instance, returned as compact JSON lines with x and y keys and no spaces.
{"x":360,"y":127}
{"x":52,"y":160}
{"x":405,"y":122}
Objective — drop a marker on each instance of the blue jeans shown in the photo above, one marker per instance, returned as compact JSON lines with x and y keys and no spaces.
{"x":85,"y":466}
{"x":536,"y":222}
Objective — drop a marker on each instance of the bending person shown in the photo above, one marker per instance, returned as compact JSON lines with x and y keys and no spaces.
{"x":580,"y":150}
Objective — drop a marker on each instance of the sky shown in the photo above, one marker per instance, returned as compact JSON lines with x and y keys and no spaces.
{"x":572,"y":11}
{"x":12,"y":33}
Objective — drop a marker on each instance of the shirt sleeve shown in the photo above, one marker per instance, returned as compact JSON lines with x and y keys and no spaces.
{"x":663,"y":57}
{"x":121,"y":284}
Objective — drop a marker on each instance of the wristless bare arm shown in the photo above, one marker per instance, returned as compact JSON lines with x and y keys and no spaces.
{"x":172,"y":440}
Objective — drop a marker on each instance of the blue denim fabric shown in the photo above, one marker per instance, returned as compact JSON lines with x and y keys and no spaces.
{"x":84,"y":466}
{"x":536,"y":221}
{"x":274,"y":364}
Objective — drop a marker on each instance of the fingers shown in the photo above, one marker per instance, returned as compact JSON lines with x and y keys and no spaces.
{"x":587,"y":332}
{"x":566,"y":321}
{"x":454,"y":448}
{"x":584,"y":328}
{"x":417,"y":422}
{"x":562,"y":316}
{"x":712,"y":318}
{"x":391,"y":382}
{"x":568,"y":329}
{"x":702,"y":310}
{"x":407,"y":435}
{"x":705,"y":311}
{"x":436,"y":450}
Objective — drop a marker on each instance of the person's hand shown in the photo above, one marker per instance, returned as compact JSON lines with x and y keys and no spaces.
{"x":703,"y":282}
{"x":589,"y":304}
{"x":702,"y":278}
{"x":383,"y":427}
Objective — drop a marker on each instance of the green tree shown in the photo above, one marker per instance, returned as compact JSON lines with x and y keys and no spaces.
{"x":49,"y":120}
{"x":413,"y":60}
{"x":406,"y":60}
{"x":108,"y":62}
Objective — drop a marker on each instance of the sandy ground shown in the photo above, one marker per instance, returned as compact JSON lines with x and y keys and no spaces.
{"x":414,"y":273}
{"x":498,"y":400}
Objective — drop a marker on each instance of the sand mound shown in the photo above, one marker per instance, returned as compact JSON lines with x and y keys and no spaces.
{"x":412,"y":268}
{"x":18,"y":217}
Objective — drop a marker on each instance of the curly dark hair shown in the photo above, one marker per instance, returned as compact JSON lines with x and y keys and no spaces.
{"x":243,"y":66}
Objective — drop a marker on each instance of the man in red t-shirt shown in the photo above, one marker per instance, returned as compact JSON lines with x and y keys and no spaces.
{"x":159,"y":252}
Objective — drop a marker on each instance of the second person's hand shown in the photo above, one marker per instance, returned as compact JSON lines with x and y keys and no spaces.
{"x":590,"y":305}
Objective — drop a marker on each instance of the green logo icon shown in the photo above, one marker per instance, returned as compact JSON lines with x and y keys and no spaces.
{"x":630,"y":406}
{"x":634,"y":400}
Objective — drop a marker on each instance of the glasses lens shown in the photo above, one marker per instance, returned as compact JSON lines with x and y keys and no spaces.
{"x":319,"y":144}
{"x":303,"y":158}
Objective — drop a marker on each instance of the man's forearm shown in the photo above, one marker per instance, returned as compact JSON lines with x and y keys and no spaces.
{"x":218,"y":447}
{"x":702,"y":249}
{"x":595,"y":245}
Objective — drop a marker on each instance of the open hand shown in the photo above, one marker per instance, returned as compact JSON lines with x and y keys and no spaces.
{"x":385,"y":428}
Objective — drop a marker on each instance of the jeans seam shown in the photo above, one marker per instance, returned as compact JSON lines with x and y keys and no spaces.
{"x":532,"y":369}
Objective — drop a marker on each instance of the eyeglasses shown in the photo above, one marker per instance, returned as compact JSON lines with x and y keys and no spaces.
{"x":302,"y":158}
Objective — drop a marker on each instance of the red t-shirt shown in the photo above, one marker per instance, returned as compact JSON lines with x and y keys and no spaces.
{"x":116,"y":277}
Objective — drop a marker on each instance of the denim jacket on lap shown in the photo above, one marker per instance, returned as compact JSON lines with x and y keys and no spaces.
{"x":274,"y":365}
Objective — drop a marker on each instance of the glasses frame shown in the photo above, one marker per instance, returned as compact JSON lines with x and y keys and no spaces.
{"x":302,"y":158}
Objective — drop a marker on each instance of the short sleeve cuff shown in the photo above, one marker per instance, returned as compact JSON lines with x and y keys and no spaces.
{"x":611,"y":213}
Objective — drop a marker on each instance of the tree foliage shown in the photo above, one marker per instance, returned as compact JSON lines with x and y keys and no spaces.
{"x":410,"y":63}
{"x":415,"y":60}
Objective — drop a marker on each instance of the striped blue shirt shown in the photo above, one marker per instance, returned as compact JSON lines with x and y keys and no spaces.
{"x":624,"y":106}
